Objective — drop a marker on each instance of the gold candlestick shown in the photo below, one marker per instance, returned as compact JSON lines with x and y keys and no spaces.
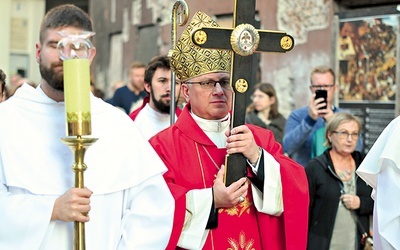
{"x":79,"y":146}
{"x":75,"y":50}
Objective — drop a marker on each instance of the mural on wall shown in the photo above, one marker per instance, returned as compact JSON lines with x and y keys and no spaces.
{"x":366,"y":59}
{"x":301,"y":16}
{"x":366,"y":51}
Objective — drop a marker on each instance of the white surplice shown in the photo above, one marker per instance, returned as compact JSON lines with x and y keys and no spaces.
{"x":381,"y":170}
{"x":131,"y":205}
{"x":150,"y":122}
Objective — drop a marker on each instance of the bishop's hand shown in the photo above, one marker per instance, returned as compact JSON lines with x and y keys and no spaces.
{"x":241,"y":140}
{"x":73,"y":205}
{"x":226,"y":197}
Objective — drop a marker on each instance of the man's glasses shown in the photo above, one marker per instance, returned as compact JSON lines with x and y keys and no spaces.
{"x":345,"y":135}
{"x":210,"y":84}
{"x":323,"y":86}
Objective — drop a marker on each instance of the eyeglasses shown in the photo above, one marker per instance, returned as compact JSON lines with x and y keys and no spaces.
{"x":323,"y":86}
{"x":345,"y":135}
{"x":210,"y":84}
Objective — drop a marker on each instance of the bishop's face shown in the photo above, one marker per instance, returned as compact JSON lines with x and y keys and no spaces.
{"x":208,"y":103}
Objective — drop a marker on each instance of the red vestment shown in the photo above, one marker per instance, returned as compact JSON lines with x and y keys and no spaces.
{"x":183,"y":148}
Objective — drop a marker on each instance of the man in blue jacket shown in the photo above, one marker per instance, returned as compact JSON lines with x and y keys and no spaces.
{"x":303,"y":123}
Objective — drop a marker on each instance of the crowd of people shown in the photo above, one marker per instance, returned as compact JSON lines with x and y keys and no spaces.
{"x":153,"y":185}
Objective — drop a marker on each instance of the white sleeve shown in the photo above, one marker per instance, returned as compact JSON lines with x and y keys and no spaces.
{"x":198,"y":207}
{"x":147,"y":221}
{"x":386,"y":210}
{"x":25,"y":218}
{"x":271,"y":200}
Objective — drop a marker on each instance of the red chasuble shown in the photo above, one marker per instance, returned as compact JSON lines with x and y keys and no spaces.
{"x":184,"y":146}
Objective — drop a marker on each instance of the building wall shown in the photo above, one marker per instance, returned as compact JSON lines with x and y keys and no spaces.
{"x":128,"y":30}
{"x":134,"y":19}
{"x":5,"y":19}
{"x":19,"y":23}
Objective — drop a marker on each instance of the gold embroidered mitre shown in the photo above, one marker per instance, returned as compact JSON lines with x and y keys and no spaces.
{"x":189,"y":60}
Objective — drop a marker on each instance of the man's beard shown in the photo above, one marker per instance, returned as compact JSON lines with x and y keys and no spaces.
{"x":56,"y":81}
{"x":160,"y":105}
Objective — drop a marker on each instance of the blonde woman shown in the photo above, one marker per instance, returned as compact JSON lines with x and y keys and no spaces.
{"x":338,"y":197}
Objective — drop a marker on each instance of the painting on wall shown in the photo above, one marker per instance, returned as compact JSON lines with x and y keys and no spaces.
{"x":366,"y":54}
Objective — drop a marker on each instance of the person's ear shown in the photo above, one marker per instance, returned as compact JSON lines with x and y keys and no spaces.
{"x":330,"y":137}
{"x":273,"y":99}
{"x":185,"y":92}
{"x":147,"y":87}
{"x":38,"y":51}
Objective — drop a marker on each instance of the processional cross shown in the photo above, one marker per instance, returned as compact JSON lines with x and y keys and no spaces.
{"x":243,"y":40}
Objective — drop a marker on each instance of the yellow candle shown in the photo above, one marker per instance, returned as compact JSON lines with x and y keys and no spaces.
{"x":77,"y":96}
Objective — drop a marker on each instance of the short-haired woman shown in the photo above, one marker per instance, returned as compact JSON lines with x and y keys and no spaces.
{"x":338,"y":197}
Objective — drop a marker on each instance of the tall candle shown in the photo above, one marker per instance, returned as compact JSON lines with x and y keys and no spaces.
{"x":77,"y":96}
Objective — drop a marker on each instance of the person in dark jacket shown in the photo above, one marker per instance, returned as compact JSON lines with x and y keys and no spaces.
{"x":340,"y":201}
{"x":263,"y":111}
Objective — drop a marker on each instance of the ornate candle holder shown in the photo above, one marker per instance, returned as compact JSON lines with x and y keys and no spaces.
{"x":75,"y":50}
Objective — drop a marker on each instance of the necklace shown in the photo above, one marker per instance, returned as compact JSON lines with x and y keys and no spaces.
{"x":344,"y":175}
{"x":343,"y":167}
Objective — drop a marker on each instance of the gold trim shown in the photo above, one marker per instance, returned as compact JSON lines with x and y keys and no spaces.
{"x":77,"y":128}
{"x":78,"y":116}
{"x":286,"y":42}
{"x":241,"y":85}
{"x":199,"y":37}
{"x":245,"y":39}
{"x":241,"y":242}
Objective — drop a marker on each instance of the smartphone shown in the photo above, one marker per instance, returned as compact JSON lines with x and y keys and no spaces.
{"x":321,"y":93}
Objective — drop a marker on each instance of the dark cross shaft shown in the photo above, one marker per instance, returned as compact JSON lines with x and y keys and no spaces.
{"x":243,"y":40}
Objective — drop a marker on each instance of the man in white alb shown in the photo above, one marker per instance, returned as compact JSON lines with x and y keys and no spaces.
{"x":154,"y":115}
{"x":128,"y":201}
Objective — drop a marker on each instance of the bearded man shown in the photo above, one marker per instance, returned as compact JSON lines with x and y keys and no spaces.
{"x":154,"y":115}
{"x":37,"y":204}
